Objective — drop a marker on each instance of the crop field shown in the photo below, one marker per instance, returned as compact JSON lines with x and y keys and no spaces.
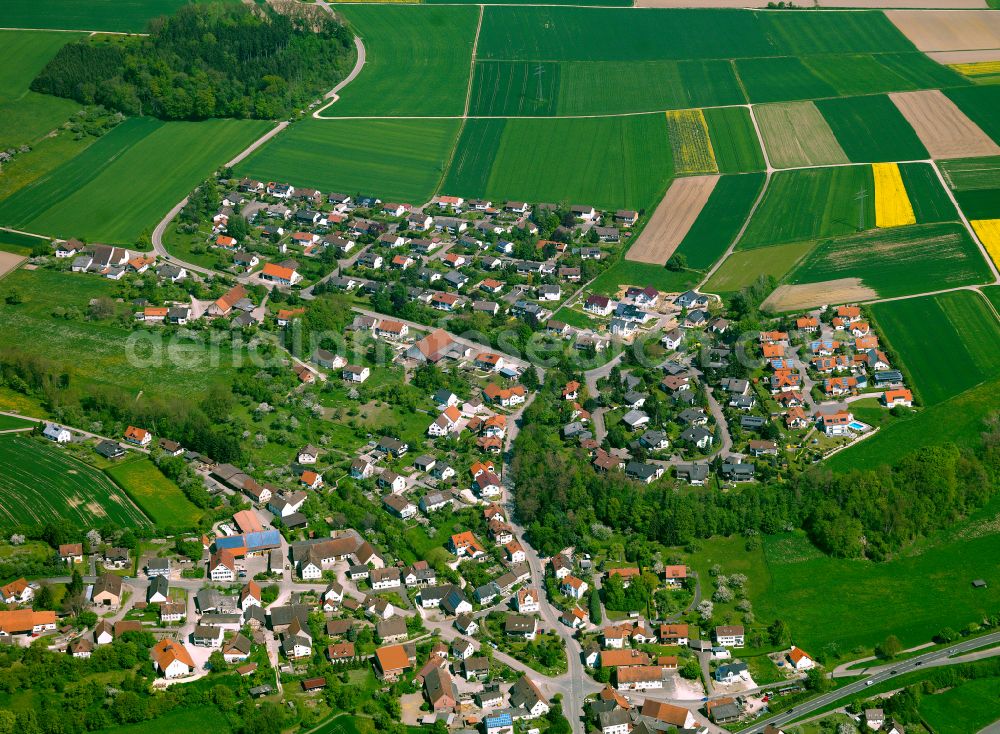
{"x":796,"y":135}
{"x":628,"y":272}
{"x":976,"y":184}
{"x":672,"y":219}
{"x":892,"y":205}
{"x":689,"y":142}
{"x":928,"y":198}
{"x":26,"y":116}
{"x":393,"y":159}
{"x":897,"y":261}
{"x":988,"y":231}
{"x":812,"y":203}
{"x":923,"y":591}
{"x":980,"y":72}
{"x":734,"y":140}
{"x":781,"y":80}
{"x":969,"y":706}
{"x":871,"y":129}
{"x":159,"y":497}
{"x":882,"y":72}
{"x":604,"y":162}
{"x":743,"y":268}
{"x":125,"y":182}
{"x":101,"y":354}
{"x":720,"y":219}
{"x":128,"y":16}
{"x":41,"y":482}
{"x":407,"y":46}
{"x":503,"y":87}
{"x":943,"y":30}
{"x":965,"y":334}
{"x":944,"y":128}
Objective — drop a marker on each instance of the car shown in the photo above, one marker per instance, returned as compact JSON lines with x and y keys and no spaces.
{"x":869,"y":682}
{"x":893,"y":672}
{"x":919,"y":662}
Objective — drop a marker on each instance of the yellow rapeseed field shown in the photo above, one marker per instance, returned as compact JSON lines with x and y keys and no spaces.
{"x":977,"y":68}
{"x":892,"y":205}
{"x":988,"y":231}
{"x":690,"y":142}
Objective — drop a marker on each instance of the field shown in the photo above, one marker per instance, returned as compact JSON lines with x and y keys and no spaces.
{"x":626,"y":272}
{"x":942,"y":127}
{"x":94,"y":15}
{"x":809,"y":204}
{"x":796,"y":135}
{"x":965,"y":334}
{"x":743,"y":268}
{"x":9,"y":423}
{"x":603,"y":162}
{"x":892,"y":205}
{"x":980,"y":104}
{"x":124,"y":183}
{"x":871,"y":129}
{"x":720,"y":219}
{"x":100,"y":353}
{"x":922,"y":592}
{"x":969,"y":706}
{"x":42,"y":482}
{"x":988,"y":231}
{"x":393,"y":159}
{"x":406,"y":46}
{"x":786,"y":297}
{"x":672,"y":219}
{"x":734,"y":140}
{"x":781,"y":80}
{"x":948,"y":31}
{"x":26,"y":116}
{"x":689,"y":142}
{"x":159,"y":497}
{"x":927,"y":196}
{"x":976,"y":183}
{"x":898,"y":261}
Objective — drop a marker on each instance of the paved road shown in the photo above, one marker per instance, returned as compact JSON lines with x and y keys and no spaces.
{"x":888,"y":672}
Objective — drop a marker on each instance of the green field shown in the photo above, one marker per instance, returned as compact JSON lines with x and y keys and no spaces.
{"x":626,"y":272}
{"x":882,"y":72}
{"x":734,"y":140}
{"x":872,"y":129}
{"x":928,"y":198}
{"x":965,"y":335}
{"x":600,"y":87}
{"x":93,"y":15}
{"x":159,"y":497}
{"x":968,"y":707}
{"x":976,"y":183}
{"x":980,"y":103}
{"x":796,"y":135}
{"x":98,"y":353}
{"x":744,"y":267}
{"x":184,"y":718}
{"x":406,"y":47}
{"x":393,"y":159}
{"x":781,"y":79}
{"x":125,"y":182}
{"x":19,"y":244}
{"x":604,"y":162}
{"x":992,"y":292}
{"x":920,"y":593}
{"x":26,"y":116}
{"x":809,"y":204}
{"x":8,"y":423}
{"x":720,"y":220}
{"x":898,"y":261}
{"x":40,"y":482}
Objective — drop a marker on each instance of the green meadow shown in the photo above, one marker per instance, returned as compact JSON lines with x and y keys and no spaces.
{"x":159,"y":497}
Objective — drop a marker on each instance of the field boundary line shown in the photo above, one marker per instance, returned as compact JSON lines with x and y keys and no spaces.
{"x":75,"y":30}
{"x":989,"y":303}
{"x":472,"y":62}
{"x":26,"y":234}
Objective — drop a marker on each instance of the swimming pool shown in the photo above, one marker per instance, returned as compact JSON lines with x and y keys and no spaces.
{"x":857,"y":426}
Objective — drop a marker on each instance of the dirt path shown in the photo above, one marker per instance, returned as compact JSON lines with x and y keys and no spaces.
{"x":333,"y":95}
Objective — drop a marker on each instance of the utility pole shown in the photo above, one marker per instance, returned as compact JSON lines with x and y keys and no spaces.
{"x":539,"y":70}
{"x":862,"y":197}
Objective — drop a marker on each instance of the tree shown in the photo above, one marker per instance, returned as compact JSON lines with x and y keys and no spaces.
{"x":890,"y":647}
{"x":817,"y":681}
{"x":14,"y":297}
{"x":691,"y":669}
{"x":677,"y":262}
{"x":779,"y":633}
{"x":595,"y":607}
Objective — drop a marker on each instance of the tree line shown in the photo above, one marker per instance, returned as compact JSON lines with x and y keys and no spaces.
{"x":206,"y":60}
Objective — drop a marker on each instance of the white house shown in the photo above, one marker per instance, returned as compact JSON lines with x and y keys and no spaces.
{"x":573,"y":587}
{"x":57,"y":433}
{"x":729,"y":635}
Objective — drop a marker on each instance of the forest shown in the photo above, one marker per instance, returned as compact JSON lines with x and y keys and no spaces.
{"x":207,"y":60}
{"x":870,"y":514}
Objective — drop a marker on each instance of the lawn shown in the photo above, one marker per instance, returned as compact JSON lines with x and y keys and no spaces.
{"x":626,"y":272}
{"x":621,"y":162}
{"x":159,"y":497}
{"x":813,"y":203}
{"x":731,"y":555}
{"x":41,"y":482}
{"x":922,"y":591}
{"x":93,"y":15}
{"x":898,"y":261}
{"x":734,"y":140}
{"x":26,"y":116}
{"x":965,"y":334}
{"x":720,"y":220}
{"x":101,"y":353}
{"x":8,"y":422}
{"x":124,"y":183}
{"x":184,"y":718}
{"x":406,"y":45}
{"x":968,"y":707}
{"x":872,"y":129}
{"x":742,"y":268}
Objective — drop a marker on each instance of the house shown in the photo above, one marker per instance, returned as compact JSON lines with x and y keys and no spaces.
{"x":874,"y":719}
{"x":673,"y":634}
{"x":691,"y":299}
{"x":573,"y":587}
{"x":207,"y":636}
{"x":699,"y":436}
{"x":280,"y":274}
{"x":57,"y":433}
{"x":729,"y":636}
{"x":514,"y":553}
{"x":441,"y":691}
{"x":356,"y":374}
{"x":158,"y":590}
{"x":621,"y":658}
{"x":672,"y":339}
{"x":525,"y":695}
{"x":17,"y":592}
{"x":446,"y":423}
{"x":901,"y":396}
{"x":489,"y":362}
{"x":646,"y":473}
{"x":392,"y":629}
{"x":311,"y":480}
{"x":799,"y":659}
{"x":640,"y":677}
{"x":138,"y":436}
{"x":171,"y":659}
{"x":836,"y":424}
{"x":521,"y":626}
{"x":116,"y":557}
{"x":107,"y":591}
{"x":505,"y":397}
{"x":635,"y":419}
{"x":71,"y":552}
{"x":731,"y":672}
{"x":222,"y":566}
{"x":527,"y":601}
